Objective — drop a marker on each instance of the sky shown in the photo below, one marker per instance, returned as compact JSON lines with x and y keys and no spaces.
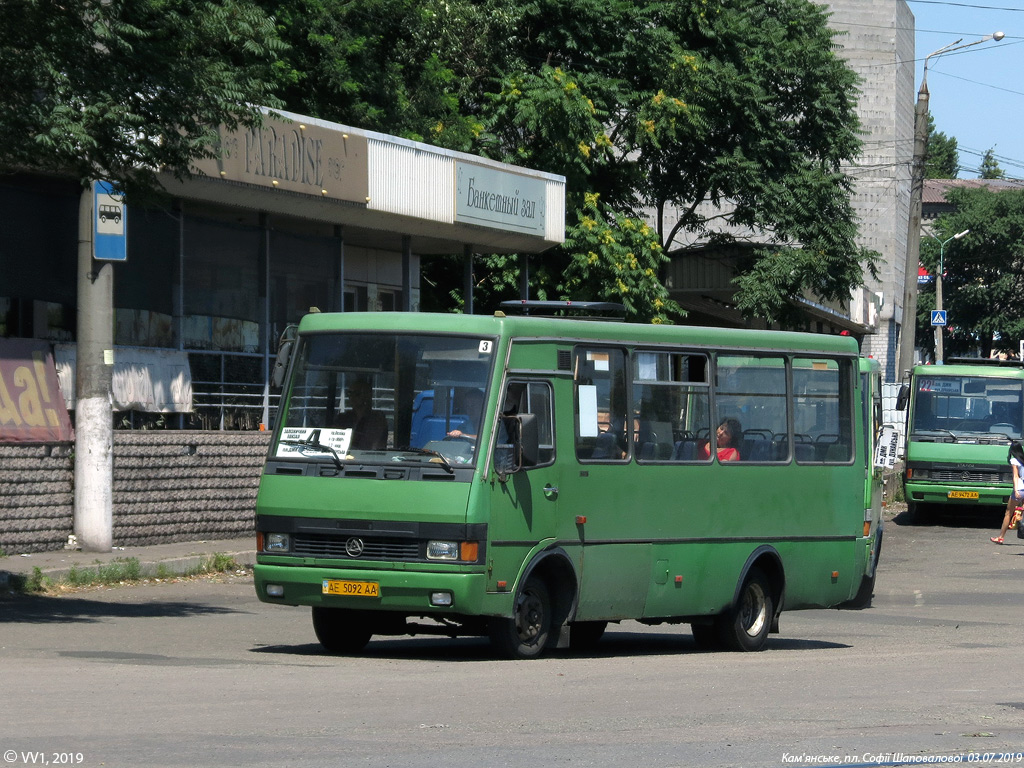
{"x":975,"y":95}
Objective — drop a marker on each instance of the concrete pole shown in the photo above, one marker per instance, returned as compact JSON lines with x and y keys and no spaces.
{"x":909,"y":322}
{"x":94,"y":423}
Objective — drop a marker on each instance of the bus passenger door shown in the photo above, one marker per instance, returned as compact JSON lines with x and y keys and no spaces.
{"x":524,"y":494}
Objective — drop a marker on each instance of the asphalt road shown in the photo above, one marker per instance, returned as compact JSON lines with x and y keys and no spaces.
{"x":201,"y":674}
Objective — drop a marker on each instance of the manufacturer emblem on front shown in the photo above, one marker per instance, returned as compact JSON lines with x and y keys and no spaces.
{"x":354,"y":547}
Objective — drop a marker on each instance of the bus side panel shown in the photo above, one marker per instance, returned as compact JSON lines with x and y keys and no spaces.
{"x":680,"y":547}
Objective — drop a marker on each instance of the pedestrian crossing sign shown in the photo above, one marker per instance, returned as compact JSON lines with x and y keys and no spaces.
{"x":938,"y":317}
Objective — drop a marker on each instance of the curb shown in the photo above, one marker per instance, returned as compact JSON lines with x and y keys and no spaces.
{"x":171,"y":566}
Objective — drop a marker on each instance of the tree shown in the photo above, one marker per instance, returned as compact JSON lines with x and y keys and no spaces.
{"x":984,"y":272}
{"x":989,"y":168}
{"x":943,"y":158}
{"x":116,"y":89}
{"x":695,"y":114}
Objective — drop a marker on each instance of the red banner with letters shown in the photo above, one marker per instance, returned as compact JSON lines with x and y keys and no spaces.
{"x":32,"y":408}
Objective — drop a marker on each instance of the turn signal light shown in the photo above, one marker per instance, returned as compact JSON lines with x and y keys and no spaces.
{"x":468,"y":551}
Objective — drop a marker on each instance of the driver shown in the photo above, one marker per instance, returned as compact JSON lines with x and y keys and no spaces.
{"x":369,"y":427}
{"x":472,"y":406}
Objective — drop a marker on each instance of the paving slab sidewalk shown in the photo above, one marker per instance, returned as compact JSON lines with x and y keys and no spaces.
{"x":172,"y":559}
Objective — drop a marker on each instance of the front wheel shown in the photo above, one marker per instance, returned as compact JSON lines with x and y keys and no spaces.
{"x":527,"y":633}
{"x":745,"y":626}
{"x":341,"y":631}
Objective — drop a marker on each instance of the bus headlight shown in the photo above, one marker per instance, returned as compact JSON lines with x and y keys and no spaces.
{"x":442,"y":550}
{"x":277,"y":542}
{"x":456,"y":551}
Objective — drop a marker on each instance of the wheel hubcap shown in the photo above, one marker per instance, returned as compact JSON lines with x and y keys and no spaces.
{"x":529,"y":618}
{"x":754,"y":611}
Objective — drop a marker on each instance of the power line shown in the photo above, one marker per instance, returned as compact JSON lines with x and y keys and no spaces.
{"x":967,"y":5}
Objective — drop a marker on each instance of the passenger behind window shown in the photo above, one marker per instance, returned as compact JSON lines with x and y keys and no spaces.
{"x":369,"y":427}
{"x":727,"y":437}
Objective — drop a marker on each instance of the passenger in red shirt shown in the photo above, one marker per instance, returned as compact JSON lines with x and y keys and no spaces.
{"x":727,"y":438}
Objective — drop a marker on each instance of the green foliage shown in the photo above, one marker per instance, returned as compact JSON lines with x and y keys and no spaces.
{"x":707,"y":113}
{"x":989,"y":168}
{"x":613,"y":257}
{"x":943,"y":158}
{"x":984,"y":272}
{"x":402,"y":67}
{"x":115,"y":89}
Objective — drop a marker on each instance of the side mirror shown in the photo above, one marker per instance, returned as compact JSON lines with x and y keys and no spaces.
{"x":523,"y":447}
{"x":902,"y":398}
{"x":528,"y":444}
{"x":285,"y":346}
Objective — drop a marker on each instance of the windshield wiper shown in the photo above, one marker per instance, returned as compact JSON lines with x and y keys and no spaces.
{"x":313,"y":441}
{"x":429,"y":452}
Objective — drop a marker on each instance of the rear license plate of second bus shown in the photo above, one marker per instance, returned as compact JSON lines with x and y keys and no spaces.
{"x":351,"y":588}
{"x":962,"y":495}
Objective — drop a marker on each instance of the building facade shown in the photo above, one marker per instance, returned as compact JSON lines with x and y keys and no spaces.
{"x":298,"y":214}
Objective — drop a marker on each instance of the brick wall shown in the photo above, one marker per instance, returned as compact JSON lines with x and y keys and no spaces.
{"x":168,"y":486}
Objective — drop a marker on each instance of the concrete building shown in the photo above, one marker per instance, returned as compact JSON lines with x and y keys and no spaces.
{"x":878,"y":43}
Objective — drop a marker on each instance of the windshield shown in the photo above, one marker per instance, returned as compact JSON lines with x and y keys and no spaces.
{"x":385,"y":397}
{"x":968,"y":405}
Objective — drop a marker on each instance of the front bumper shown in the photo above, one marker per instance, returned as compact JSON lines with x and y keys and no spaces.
{"x":404,"y":591}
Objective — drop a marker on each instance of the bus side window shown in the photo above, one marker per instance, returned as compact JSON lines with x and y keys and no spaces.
{"x":752,"y":390}
{"x":822,"y":408}
{"x":671,"y":406}
{"x":599,"y":387}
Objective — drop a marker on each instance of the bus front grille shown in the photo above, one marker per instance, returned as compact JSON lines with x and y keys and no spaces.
{"x":960,"y":476}
{"x":346,"y":548}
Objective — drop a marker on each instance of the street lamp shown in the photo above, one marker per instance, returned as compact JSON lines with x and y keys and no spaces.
{"x":906,"y":349}
{"x":939,"y":355}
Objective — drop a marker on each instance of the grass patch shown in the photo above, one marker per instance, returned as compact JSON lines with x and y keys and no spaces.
{"x":122,"y":571}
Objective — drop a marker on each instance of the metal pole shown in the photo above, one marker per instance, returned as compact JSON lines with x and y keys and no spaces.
{"x":467,"y":279}
{"x":940,"y":329}
{"x":939,"y":353}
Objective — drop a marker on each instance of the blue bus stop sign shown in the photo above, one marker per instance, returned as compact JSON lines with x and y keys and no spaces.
{"x":938,"y":317}
{"x":109,"y":223}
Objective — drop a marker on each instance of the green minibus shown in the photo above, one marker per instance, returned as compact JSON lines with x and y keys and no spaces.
{"x":960,"y":420}
{"x":531,"y":479}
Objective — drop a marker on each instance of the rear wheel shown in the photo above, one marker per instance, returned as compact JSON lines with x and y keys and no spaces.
{"x":745,"y":626}
{"x":340,"y":630}
{"x":527,"y":633}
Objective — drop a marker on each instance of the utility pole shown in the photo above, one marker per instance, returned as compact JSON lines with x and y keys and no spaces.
{"x":94,"y":419}
{"x":909,"y":325}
